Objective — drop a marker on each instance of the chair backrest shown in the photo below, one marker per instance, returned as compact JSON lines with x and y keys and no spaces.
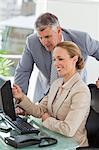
{"x":92,"y":124}
{"x":94,"y":97}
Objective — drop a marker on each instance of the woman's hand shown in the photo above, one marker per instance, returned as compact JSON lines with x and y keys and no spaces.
{"x":17,"y":92}
{"x":20,"y":111}
{"x":45,"y":116}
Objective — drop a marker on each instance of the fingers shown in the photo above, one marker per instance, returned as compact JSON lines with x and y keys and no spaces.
{"x":20,"y":111}
{"x":97,"y":83}
{"x":16,"y":87}
{"x":45,"y":116}
{"x":17,"y":92}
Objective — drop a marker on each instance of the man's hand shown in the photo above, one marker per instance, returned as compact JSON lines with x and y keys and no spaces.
{"x":45,"y":116}
{"x":97,"y":83}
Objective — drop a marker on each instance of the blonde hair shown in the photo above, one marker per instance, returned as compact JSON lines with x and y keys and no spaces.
{"x":73,"y":50}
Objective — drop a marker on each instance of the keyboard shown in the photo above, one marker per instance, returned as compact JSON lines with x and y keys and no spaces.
{"x":22,"y":126}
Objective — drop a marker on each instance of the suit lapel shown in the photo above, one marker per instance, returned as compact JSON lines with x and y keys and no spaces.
{"x":66,"y":36}
{"x":47,"y":59}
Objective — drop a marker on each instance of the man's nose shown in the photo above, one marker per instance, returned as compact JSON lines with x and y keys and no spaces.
{"x":44,"y":41}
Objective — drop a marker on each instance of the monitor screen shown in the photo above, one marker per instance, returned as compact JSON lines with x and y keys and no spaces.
{"x":7,"y":100}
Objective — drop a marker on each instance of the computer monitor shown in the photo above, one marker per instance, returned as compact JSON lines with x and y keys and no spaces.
{"x":7,"y":100}
{"x":2,"y":81}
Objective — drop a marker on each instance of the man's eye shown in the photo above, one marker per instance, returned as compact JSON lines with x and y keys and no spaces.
{"x":54,"y":59}
{"x":40,"y":38}
{"x":46,"y":37}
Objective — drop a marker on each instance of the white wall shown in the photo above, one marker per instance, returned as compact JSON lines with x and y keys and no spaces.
{"x":92,"y":70}
{"x":76,"y":15}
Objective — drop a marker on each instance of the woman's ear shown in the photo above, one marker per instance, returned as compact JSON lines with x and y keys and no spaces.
{"x":75,"y":58}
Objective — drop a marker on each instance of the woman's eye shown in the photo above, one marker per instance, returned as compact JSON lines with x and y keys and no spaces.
{"x":60,"y":58}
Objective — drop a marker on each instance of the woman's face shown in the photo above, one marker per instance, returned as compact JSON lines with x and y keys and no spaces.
{"x":64,"y":65}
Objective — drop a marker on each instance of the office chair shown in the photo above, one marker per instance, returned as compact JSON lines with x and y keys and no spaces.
{"x":92,"y":124}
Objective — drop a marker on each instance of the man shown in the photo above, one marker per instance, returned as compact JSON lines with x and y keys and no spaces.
{"x":38,"y":51}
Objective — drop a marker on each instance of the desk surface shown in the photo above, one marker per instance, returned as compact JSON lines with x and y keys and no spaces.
{"x":64,"y":143}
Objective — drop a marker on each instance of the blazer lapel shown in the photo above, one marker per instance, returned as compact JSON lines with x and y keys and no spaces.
{"x":61,"y":99}
{"x":53,"y":92}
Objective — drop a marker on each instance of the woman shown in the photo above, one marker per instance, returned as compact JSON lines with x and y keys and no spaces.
{"x":66,"y":107}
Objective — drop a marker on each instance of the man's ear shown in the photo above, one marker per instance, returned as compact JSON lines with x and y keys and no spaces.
{"x":59,"y":29}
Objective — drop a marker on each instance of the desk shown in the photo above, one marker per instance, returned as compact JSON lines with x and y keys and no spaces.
{"x":63,"y":142}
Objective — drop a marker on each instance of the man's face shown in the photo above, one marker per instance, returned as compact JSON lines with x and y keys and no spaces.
{"x":49,"y":37}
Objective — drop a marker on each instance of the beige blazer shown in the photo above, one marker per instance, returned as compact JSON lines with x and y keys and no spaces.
{"x":69,"y":112}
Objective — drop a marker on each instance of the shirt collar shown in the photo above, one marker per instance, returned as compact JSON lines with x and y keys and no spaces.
{"x":62,"y":38}
{"x":68,"y":82}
